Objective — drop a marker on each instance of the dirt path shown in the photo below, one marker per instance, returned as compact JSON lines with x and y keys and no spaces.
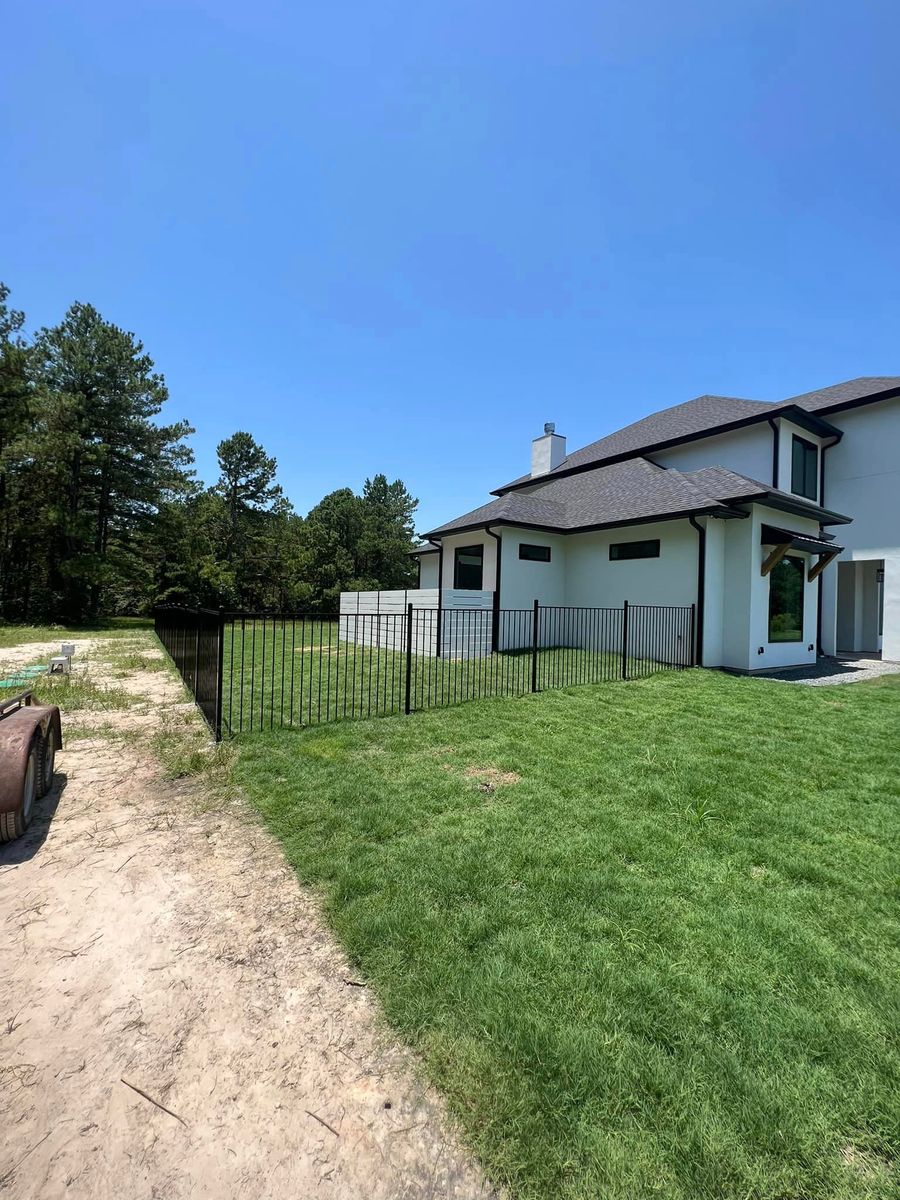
{"x":146,"y":941}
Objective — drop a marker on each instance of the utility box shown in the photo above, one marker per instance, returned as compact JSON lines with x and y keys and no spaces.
{"x":67,"y":649}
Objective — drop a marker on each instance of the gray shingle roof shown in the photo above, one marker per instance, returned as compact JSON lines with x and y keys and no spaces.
{"x":634,"y":490}
{"x":425,"y":548}
{"x":694,"y":416}
{"x":706,"y":415}
{"x":630,"y":488}
{"x":703,"y":413}
{"x":840,"y":394}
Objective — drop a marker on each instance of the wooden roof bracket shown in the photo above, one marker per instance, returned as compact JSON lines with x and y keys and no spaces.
{"x":775,"y":558}
{"x":817,"y":568}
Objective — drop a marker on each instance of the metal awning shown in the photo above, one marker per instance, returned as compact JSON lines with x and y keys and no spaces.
{"x":789,"y":539}
{"x":773,"y":536}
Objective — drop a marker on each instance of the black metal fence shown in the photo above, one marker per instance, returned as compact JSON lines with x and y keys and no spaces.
{"x":193,"y":639}
{"x":251,"y":671}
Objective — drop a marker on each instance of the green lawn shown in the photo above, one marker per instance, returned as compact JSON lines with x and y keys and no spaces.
{"x":301,"y":673}
{"x":644,"y":935}
{"x":16,"y":635}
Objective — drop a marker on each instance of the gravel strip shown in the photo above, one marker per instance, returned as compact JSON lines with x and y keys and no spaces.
{"x":829,"y":671}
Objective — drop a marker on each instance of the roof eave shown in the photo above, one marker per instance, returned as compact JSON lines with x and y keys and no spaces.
{"x":860,"y":401}
{"x":713,"y":510}
{"x":807,"y":420}
{"x":825,"y":516}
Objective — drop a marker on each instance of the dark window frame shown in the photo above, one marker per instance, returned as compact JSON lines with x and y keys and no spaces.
{"x":798,"y":564}
{"x":807,"y":469}
{"x":542,"y":554}
{"x":472,"y":551}
{"x":631,"y":555}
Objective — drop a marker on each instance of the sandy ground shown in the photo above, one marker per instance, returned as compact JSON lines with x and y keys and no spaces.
{"x":145,"y":940}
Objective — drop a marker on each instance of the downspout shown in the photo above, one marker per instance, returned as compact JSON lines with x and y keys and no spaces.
{"x":440,"y":607}
{"x":495,"y":616}
{"x":776,"y":440}
{"x":701,"y":586}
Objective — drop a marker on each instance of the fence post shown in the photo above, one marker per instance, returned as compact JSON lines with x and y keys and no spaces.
{"x":693,"y":635}
{"x":409,"y":632}
{"x":535,"y":620}
{"x":624,"y":639}
{"x":220,"y":675}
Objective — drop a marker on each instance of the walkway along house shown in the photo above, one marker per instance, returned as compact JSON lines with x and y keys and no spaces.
{"x":780,"y":522}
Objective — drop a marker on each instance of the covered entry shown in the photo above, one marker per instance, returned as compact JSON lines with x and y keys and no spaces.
{"x":860,"y":606}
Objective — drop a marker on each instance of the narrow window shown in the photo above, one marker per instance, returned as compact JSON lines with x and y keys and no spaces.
{"x":534,"y":553}
{"x":468,"y":568}
{"x":805,"y":469}
{"x":619,"y":551}
{"x":786,"y":582}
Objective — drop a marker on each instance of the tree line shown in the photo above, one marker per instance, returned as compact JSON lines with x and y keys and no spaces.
{"x":101,"y":512}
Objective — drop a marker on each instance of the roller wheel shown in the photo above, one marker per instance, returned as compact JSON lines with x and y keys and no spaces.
{"x":14,"y":824}
{"x":46,"y":761}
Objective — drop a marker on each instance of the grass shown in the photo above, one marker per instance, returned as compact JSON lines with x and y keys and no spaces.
{"x":304,"y":675}
{"x":17,"y":635}
{"x":644,"y":935}
{"x":74,"y":692}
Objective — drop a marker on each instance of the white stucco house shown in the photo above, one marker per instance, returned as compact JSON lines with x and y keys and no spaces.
{"x":779,"y":520}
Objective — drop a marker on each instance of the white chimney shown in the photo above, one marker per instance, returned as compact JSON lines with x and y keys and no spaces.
{"x":547,"y":452}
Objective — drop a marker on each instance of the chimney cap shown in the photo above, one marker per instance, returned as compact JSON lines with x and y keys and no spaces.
{"x":549,"y":427}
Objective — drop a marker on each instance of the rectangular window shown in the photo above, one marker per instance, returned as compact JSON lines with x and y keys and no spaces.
{"x":786,"y":583}
{"x":468,"y":568}
{"x":534,"y":553}
{"x":804,"y":468}
{"x":619,"y":551}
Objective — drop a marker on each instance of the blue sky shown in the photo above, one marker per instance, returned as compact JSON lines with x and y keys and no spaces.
{"x":399,"y":237}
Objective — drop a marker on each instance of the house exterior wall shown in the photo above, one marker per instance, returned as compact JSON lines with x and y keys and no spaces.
{"x":778,"y":654}
{"x":862,"y":479}
{"x":748,"y":451}
{"x":592,"y":580}
{"x":786,"y":432}
{"x":523,"y":581}
{"x":714,"y":592}
{"x":428,"y":570}
{"x":736,"y":594}
{"x":475,"y":537}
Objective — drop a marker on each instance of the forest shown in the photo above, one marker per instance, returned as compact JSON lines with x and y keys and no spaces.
{"x":101,"y":512}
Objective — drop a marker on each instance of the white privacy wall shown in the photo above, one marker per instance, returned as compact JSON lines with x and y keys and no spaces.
{"x":862,"y":480}
{"x":461,"y":621}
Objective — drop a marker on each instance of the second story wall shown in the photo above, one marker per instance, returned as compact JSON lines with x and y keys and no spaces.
{"x":862,"y":478}
{"x":748,"y":451}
